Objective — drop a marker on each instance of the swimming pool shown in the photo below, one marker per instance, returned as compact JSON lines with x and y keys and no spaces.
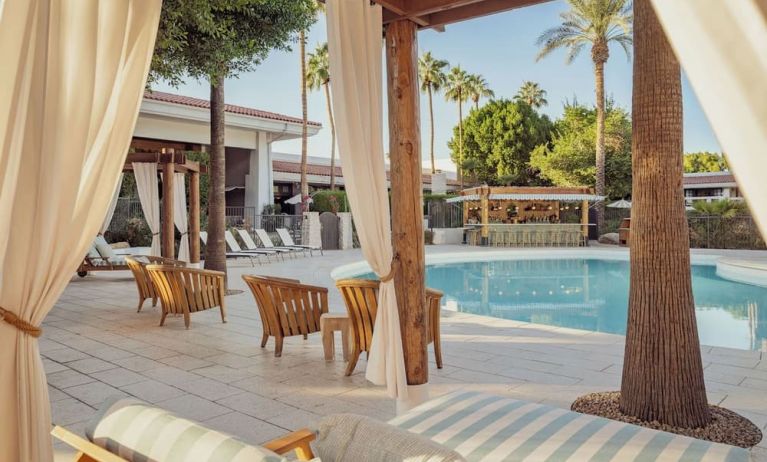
{"x":592,"y":294}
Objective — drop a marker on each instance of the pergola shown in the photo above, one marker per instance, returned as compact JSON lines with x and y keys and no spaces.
{"x":172,"y":162}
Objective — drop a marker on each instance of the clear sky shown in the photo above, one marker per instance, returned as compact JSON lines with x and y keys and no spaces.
{"x":500,"y":47}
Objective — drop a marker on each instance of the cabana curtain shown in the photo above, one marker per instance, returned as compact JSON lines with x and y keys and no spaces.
{"x":112,"y":206}
{"x":149,"y":196}
{"x":355,"y":49}
{"x":179,"y":215}
{"x":721,"y":46}
{"x":72,"y":81}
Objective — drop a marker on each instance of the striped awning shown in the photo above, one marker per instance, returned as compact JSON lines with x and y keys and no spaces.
{"x":548,"y":197}
{"x":470,"y":197}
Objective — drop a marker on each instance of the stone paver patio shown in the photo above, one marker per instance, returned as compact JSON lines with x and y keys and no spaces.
{"x":95,"y":345}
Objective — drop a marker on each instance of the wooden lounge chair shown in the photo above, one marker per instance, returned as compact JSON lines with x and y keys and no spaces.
{"x":101,"y":257}
{"x":287,"y":240}
{"x":361,"y":298}
{"x":137,"y":265}
{"x":118,"y":433}
{"x":188,"y":290}
{"x":287,"y":307}
{"x":266,"y":241}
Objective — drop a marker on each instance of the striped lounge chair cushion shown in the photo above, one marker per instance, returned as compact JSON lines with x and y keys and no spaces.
{"x":141,"y":433}
{"x":484,"y":427}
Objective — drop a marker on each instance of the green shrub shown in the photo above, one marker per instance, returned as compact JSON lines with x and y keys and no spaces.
{"x":330,"y":201}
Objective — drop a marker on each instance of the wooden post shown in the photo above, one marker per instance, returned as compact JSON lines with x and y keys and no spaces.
{"x":194,"y":217}
{"x":168,"y":229}
{"x":407,"y":195}
{"x":485,"y":211}
{"x":585,"y":220}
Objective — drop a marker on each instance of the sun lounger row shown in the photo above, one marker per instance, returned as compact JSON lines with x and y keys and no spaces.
{"x":254,"y":252}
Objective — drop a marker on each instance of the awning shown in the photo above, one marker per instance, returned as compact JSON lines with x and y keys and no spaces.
{"x":470,"y":197}
{"x":548,"y":197}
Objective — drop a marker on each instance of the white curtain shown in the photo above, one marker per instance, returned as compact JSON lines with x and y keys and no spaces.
{"x":149,"y":196}
{"x":722,"y":46}
{"x":179,"y":215}
{"x":112,"y":206}
{"x":355,"y":48}
{"x":73,"y":74}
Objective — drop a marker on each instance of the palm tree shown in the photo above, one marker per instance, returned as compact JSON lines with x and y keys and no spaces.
{"x":478,"y":88}
{"x":305,"y":116}
{"x":662,"y":368}
{"x":431,"y":73}
{"x":532,"y":94}
{"x":595,"y":23}
{"x":318,"y":76}
{"x":457,"y":85}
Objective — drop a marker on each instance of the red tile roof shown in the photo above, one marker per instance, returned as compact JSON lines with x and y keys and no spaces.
{"x":231,"y":108}
{"x":709,"y":178}
{"x":324,"y":170}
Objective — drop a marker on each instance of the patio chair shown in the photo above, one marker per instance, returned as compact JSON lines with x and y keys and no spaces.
{"x":112,"y":436}
{"x":266,"y":241}
{"x":250,"y":256}
{"x":101,"y":257}
{"x":251,"y":245}
{"x":234,"y":246}
{"x":188,"y":290}
{"x":361,"y":298}
{"x":287,"y":240}
{"x":287,"y":307}
{"x":137,"y":265}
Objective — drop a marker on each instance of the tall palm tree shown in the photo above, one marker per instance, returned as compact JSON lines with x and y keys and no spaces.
{"x":662,"y":370}
{"x":532,"y":94}
{"x":318,"y":76}
{"x":457,"y":85}
{"x":431,"y":73}
{"x":593,"y":23}
{"x":478,"y":88}
{"x":305,"y":116}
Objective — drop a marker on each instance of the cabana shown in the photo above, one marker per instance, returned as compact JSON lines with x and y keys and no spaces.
{"x":526,"y":216}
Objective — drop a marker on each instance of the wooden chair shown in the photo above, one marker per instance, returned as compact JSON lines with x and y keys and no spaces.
{"x":188,"y":290}
{"x":287,"y":307}
{"x":361,"y":298}
{"x":137,"y":265}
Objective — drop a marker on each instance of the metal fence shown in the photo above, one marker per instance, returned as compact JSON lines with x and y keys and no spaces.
{"x":442,"y":214}
{"x":717,"y":232}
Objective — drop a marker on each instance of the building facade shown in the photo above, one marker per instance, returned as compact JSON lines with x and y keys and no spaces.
{"x":710,"y":186}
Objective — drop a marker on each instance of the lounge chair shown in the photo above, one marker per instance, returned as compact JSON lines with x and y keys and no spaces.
{"x":252,"y":247}
{"x":287,"y":307}
{"x":361,"y":298}
{"x":188,"y":290}
{"x":266,"y":241}
{"x":137,"y":265}
{"x":287,"y":240}
{"x":250,"y":256}
{"x":101,"y":257}
{"x":234,"y":246}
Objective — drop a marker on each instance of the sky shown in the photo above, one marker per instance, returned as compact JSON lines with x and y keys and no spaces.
{"x":500,"y":47}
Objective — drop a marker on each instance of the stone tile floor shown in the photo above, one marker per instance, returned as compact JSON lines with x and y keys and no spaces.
{"x":95,"y":345}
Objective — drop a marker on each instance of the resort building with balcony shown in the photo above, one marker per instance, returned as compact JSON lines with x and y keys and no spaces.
{"x":710,"y":186}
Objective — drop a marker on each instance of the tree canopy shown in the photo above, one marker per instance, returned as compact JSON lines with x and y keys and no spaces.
{"x":569,"y":159}
{"x":699,"y":162}
{"x":497,"y":141}
{"x":212,"y":39}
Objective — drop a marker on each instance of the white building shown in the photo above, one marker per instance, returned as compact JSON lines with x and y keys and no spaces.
{"x":174,"y":121}
{"x":710,"y":186}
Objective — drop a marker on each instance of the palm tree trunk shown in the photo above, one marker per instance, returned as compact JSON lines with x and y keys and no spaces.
{"x":476,"y":104}
{"x":304,"y":124}
{"x":215,"y":248}
{"x":662,"y":369}
{"x":460,"y":137}
{"x":332,"y":139}
{"x":431,"y":134}
{"x":599,"y":74}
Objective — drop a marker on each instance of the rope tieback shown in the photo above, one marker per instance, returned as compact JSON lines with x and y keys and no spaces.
{"x":390,"y":275}
{"x":19,"y":323}
{"x":155,"y":234}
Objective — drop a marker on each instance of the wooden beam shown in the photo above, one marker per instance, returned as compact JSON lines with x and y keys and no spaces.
{"x":407,"y":195}
{"x":168,"y":230}
{"x":194,"y":217}
{"x":475,"y":10}
{"x":484,"y":201}
{"x":585,"y":219}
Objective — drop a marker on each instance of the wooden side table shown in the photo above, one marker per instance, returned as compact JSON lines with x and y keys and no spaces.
{"x":329,"y":323}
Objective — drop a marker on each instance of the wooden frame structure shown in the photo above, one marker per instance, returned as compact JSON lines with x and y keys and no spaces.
{"x":172,"y":162}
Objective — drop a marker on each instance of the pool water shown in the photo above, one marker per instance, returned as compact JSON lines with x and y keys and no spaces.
{"x":592,"y":294}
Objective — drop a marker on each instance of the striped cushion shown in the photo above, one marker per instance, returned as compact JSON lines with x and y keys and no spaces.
{"x":484,"y":427}
{"x":141,"y":433}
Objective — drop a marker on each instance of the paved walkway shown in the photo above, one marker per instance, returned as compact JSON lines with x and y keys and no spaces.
{"x":95,"y":345}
